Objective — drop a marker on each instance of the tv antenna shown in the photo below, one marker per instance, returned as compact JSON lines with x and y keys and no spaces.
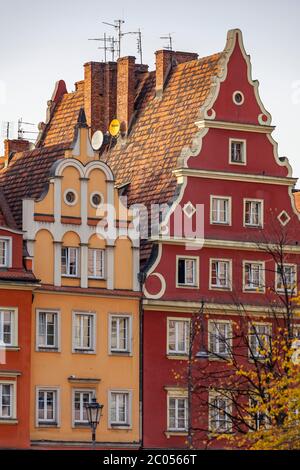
{"x":22,"y":131}
{"x":118,"y":27}
{"x":109,"y":43}
{"x":139,"y":42}
{"x":170,"y":41}
{"x":7,"y":129}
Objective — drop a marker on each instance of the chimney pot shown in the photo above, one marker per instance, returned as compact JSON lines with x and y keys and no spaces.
{"x":165,"y":60}
{"x":125,"y":91}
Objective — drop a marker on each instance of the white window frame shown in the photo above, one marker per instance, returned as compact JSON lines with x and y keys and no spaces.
{"x":229,"y":204}
{"x":75,"y":194}
{"x":215,"y":355}
{"x":238,"y":141}
{"x":177,"y":352}
{"x":212,"y":396}
{"x":120,"y":425}
{"x":80,"y":423}
{"x":220,"y":260}
{"x":128,"y":349}
{"x":179,"y":394}
{"x":252,"y":353}
{"x":261,"y":201}
{"x":260,"y":289}
{"x":68,"y":263}
{"x":13,"y":416}
{"x":103,"y":253}
{"x":8,"y":252}
{"x":281,"y":289}
{"x":195,"y":284}
{"x":15,"y":324}
{"x":48,"y":423}
{"x":57,"y":345}
{"x":84,"y":350}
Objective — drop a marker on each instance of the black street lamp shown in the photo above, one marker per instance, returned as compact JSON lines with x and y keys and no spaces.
{"x":94,"y":413}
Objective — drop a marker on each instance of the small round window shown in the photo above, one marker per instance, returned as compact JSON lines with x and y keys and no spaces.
{"x":96,"y":199}
{"x":238,"y":98}
{"x":70,"y":197}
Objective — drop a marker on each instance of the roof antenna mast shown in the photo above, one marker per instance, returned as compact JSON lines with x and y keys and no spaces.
{"x":118,"y":27}
{"x":169,"y":38}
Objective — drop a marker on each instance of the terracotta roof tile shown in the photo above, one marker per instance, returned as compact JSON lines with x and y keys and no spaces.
{"x":27,"y":175}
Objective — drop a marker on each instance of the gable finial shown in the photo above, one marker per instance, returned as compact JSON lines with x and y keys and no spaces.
{"x":81,"y":121}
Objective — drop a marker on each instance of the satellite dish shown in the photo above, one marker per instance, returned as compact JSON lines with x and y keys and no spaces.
{"x":97,"y":140}
{"x":114,"y":127}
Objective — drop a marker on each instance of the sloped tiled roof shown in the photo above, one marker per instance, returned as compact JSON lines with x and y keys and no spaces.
{"x":27,"y":176}
{"x":161,"y":129}
{"x":6,"y":217}
{"x":60,"y":129}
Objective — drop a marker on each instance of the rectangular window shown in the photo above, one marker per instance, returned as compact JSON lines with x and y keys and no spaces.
{"x":69,"y":261}
{"x":258,"y":419}
{"x":4,"y":253}
{"x":6,"y":400}
{"x":220,"y":274}
{"x":177,"y":413}
{"x":80,"y":400}
{"x":254,"y":276}
{"x":119,"y":333}
{"x":47,"y":330}
{"x":96,"y":263}
{"x":259,"y":340}
{"x":186,"y":271}
{"x":237,"y":152}
{"x":7,"y":327}
{"x":220,"y":338}
{"x":253,"y":216}
{"x":220,"y":409}
{"x":220,"y":210}
{"x":286,"y":278}
{"x":178,"y":336}
{"x":47,"y":407}
{"x":119,"y":409}
{"x":83,"y":332}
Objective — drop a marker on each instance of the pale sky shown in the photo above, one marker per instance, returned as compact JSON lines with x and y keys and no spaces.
{"x":44,"y":41}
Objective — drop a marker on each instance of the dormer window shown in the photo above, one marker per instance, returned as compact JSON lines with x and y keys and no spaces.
{"x":237,"y":150}
{"x":4,"y":253}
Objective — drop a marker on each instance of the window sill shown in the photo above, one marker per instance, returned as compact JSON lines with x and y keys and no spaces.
{"x":253,"y":226}
{"x":81,"y":426}
{"x":253,"y":291}
{"x":214,"y":357}
{"x":8,"y":421}
{"x":187,"y":286}
{"x":83,"y":351}
{"x":226,"y":289}
{"x":66,"y":276}
{"x":9,"y":348}
{"x":178,"y":357}
{"x":175,"y":433}
{"x":48,"y":425}
{"x":120,"y":353}
{"x":94,"y":278}
{"x":221,"y":223}
{"x":47,"y":349}
{"x":121,"y":426}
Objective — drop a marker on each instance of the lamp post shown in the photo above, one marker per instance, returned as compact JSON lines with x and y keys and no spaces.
{"x":94,"y":413}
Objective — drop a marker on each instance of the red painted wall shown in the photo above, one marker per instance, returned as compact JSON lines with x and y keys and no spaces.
{"x":214,"y":156}
{"x":17,"y":435}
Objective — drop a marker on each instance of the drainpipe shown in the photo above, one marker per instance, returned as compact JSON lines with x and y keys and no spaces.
{"x":141,"y":279}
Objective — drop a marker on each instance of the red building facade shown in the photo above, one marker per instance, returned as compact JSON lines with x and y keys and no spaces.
{"x":16,"y":290}
{"x":233,"y":175}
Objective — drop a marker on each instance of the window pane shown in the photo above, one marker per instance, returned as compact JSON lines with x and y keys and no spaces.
{"x":181,"y":271}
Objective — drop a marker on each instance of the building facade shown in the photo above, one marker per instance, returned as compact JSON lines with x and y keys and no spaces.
{"x":85,"y":312}
{"x":242,"y":193}
{"x":17,"y":284}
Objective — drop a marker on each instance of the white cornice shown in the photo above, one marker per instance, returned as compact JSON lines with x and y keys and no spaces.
{"x":234,"y":126}
{"x":226,"y":244}
{"x":213,"y":308}
{"x":223,"y":175}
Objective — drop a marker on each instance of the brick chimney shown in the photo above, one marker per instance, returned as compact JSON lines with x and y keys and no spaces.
{"x":165,"y":60}
{"x":125,"y":91}
{"x":94,"y":94}
{"x":100,"y":92}
{"x":11,"y":146}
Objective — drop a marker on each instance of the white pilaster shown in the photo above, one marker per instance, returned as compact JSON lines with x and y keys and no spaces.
{"x":135,"y":267}
{"x":84,"y":265}
{"x":84,"y":200}
{"x":110,"y":266}
{"x":57,"y":198}
{"x":57,"y":263}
